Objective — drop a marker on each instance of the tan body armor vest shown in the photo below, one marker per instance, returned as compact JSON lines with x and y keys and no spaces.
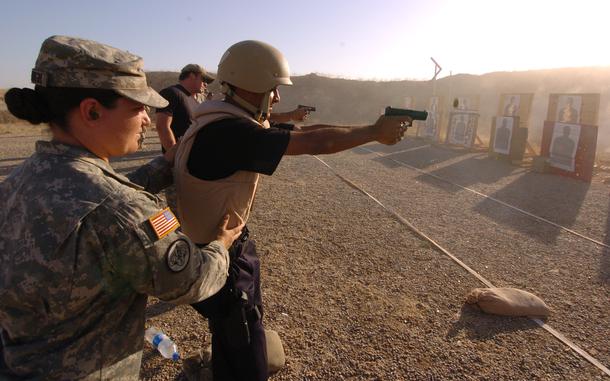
{"x":202,"y":203}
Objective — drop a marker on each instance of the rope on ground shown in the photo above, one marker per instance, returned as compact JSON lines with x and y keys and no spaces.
{"x":421,"y":234}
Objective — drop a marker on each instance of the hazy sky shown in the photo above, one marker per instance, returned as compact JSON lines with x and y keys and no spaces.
{"x":383,"y":39}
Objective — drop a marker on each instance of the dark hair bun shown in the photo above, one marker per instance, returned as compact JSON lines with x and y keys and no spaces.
{"x":27,"y":104}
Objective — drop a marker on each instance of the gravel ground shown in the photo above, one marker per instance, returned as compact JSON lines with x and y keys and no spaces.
{"x":356,"y":296}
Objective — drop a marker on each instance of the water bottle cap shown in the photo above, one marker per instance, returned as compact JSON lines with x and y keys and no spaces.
{"x":175,"y":356}
{"x":157,"y":339}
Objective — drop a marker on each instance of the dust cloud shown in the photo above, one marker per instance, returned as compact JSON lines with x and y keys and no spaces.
{"x":345,"y":101}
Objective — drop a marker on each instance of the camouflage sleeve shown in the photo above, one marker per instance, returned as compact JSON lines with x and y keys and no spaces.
{"x":171,"y":268}
{"x":153,"y":176}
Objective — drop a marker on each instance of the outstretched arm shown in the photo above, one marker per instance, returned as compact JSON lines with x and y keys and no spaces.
{"x":319,"y":126}
{"x":332,"y":139}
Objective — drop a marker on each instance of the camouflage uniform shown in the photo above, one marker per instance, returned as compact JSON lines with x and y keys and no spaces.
{"x":78,"y":257}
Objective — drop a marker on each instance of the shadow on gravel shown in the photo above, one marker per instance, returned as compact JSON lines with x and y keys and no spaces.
{"x":481,"y":326}
{"x":13,"y":159}
{"x":407,"y":143}
{"x":555,"y":198}
{"x":158,"y":308}
{"x":477,"y":169}
{"x":421,"y":158}
{"x":423,"y":154}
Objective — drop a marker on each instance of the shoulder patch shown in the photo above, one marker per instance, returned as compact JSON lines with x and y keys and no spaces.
{"x":164,"y":223}
{"x":178,"y":255}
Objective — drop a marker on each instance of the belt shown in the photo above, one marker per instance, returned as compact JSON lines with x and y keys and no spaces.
{"x":245,"y":234}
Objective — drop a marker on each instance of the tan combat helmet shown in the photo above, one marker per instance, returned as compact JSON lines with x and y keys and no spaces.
{"x":254,"y":66}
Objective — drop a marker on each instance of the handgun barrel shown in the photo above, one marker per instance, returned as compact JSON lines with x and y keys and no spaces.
{"x":308,"y":108}
{"x":413,"y":114}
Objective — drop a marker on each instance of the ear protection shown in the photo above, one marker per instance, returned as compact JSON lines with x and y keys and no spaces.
{"x":94,"y":115}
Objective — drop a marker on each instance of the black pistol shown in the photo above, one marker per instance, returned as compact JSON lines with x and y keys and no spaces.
{"x":413,"y":114}
{"x":307,"y":108}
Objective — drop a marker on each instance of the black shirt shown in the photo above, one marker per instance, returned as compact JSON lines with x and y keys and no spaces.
{"x":226,"y":146}
{"x":179,"y":108}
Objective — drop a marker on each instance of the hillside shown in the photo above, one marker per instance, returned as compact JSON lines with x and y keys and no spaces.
{"x":357,"y":102}
{"x":353,"y":101}
{"x":5,"y":116}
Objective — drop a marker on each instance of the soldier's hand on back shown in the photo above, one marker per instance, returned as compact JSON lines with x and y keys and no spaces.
{"x":227,"y":235}
{"x":390,"y":129}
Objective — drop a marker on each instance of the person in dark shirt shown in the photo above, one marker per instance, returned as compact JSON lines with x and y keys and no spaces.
{"x":256,"y":149}
{"x":219,"y":162}
{"x":174,"y":119}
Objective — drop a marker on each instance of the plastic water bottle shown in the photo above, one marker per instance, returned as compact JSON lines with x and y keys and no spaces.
{"x":164,"y":344}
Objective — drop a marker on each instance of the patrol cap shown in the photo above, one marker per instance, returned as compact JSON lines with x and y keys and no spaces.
{"x":198,"y":69}
{"x":74,"y":62}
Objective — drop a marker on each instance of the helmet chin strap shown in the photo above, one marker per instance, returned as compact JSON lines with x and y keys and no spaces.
{"x":266,"y":106}
{"x":261,"y":113}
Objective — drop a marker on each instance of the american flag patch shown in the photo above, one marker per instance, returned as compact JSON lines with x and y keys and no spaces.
{"x":164,"y":223}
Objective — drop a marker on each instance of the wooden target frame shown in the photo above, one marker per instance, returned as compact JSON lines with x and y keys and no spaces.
{"x":430,"y":129}
{"x":586,"y":105}
{"x":570,"y":149}
{"x":462,"y":129}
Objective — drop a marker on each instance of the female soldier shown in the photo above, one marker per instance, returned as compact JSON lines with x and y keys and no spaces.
{"x":81,"y":246}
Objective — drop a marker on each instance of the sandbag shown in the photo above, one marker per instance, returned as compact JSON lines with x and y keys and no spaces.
{"x":508,"y":302}
{"x":276,"y":359}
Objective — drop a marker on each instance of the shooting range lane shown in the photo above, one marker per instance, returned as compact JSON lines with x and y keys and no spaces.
{"x":354,"y":295}
{"x":505,"y":246}
{"x":577,"y":204}
{"x":346,"y":282}
{"x":410,"y":149}
{"x":487,"y":283}
{"x":541,"y":219}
